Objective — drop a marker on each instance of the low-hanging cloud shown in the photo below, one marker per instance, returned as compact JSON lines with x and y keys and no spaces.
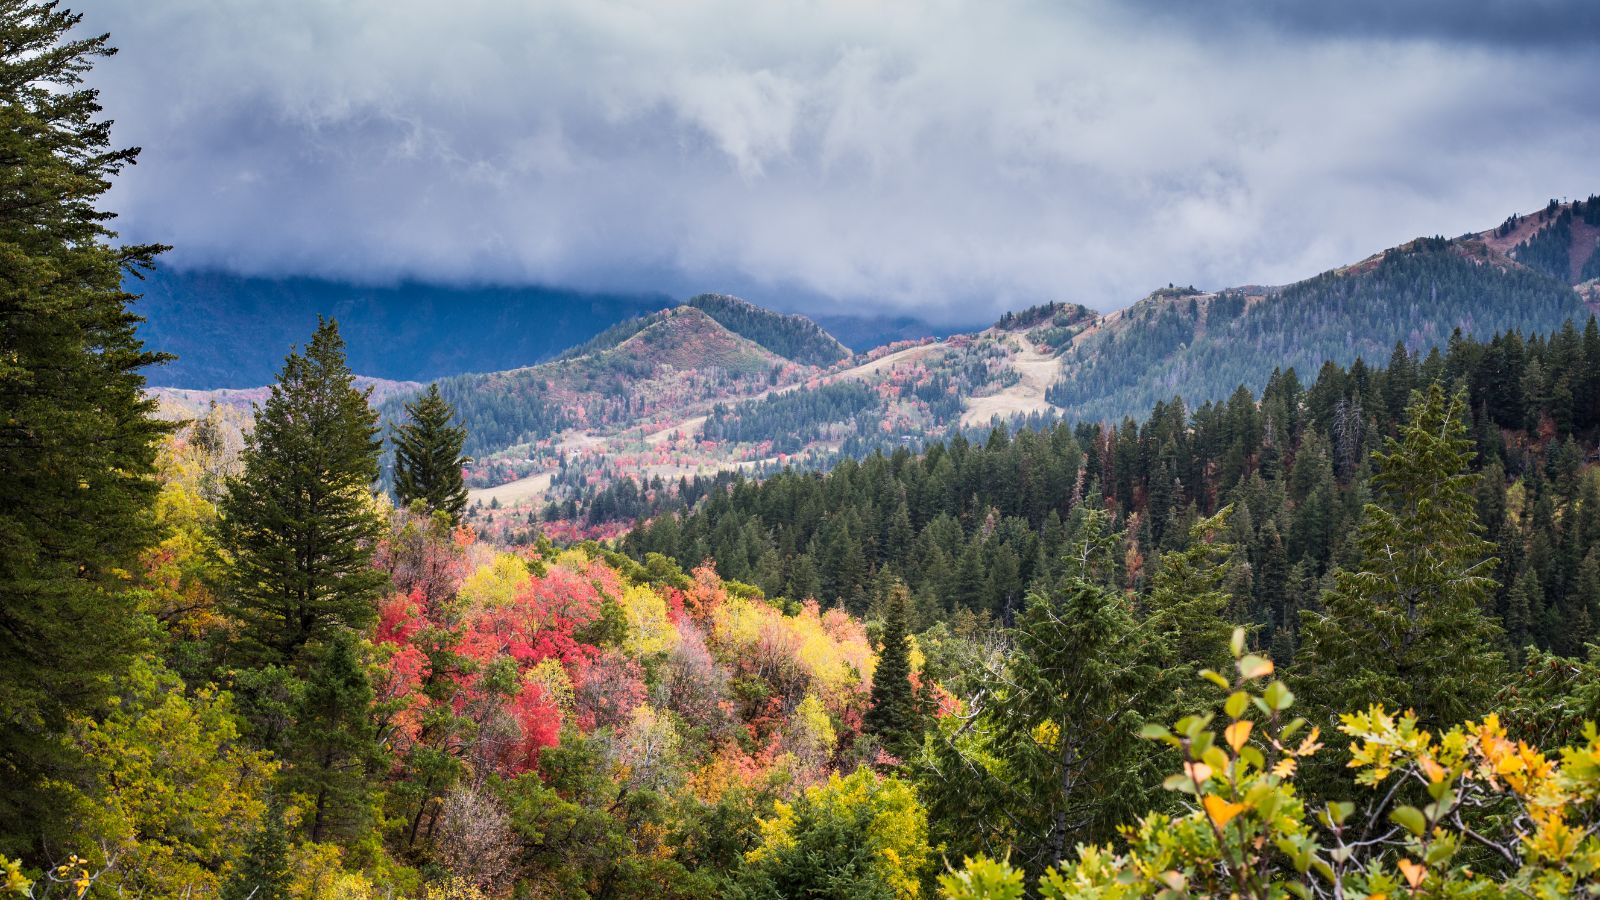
{"x":951,"y":157}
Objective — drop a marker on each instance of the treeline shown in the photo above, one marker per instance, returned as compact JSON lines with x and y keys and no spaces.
{"x":515,"y":412}
{"x":970,"y":527}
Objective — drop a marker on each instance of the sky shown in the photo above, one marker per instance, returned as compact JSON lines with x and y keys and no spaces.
{"x":945,"y":158}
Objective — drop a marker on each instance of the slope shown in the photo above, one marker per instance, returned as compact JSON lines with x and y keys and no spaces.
{"x":792,"y":337}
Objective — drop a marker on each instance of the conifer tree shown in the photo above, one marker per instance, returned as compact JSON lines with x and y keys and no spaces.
{"x":331,"y":746}
{"x":263,"y":872}
{"x":1405,"y":626}
{"x":77,"y":435}
{"x":1188,"y":600}
{"x":892,"y":714}
{"x":299,"y":520}
{"x":427,"y":456}
{"x":1051,"y":758}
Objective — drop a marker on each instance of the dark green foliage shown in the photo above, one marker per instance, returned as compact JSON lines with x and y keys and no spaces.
{"x":515,"y":410}
{"x":1051,"y":757}
{"x":331,"y":748}
{"x":1404,"y":625}
{"x":77,"y":437}
{"x":793,"y":420}
{"x":299,"y":520}
{"x":795,"y":338}
{"x":1189,"y":604}
{"x":1414,"y":295}
{"x":427,"y":456}
{"x":831,"y":859}
{"x":1548,"y":249}
{"x":892,"y":716}
{"x":1295,"y":466}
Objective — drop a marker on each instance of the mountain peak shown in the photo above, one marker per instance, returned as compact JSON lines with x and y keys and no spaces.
{"x":795,"y":338}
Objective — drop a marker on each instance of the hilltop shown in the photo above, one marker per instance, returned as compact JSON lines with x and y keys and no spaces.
{"x":795,"y":338}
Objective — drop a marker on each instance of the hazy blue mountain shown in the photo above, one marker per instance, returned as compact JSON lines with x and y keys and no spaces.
{"x":230,"y":331}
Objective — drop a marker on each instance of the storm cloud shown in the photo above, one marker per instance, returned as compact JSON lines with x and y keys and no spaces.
{"x":949,"y":157}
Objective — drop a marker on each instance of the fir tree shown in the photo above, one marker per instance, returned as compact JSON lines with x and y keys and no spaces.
{"x":1051,"y":758}
{"x":300,"y":520}
{"x":1188,"y":600}
{"x":77,"y":435}
{"x":331,"y":746}
{"x":427,"y":456}
{"x":1405,"y":626}
{"x":892,"y":714}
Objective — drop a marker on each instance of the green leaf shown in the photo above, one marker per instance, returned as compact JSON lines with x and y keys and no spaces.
{"x":1411,"y":819}
{"x":1339,"y":811}
{"x":1153,"y":732}
{"x":1254,"y":666}
{"x":1278,"y":697}
{"x":1236,"y":704}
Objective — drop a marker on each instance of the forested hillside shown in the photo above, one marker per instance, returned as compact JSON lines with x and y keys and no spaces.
{"x":1203,"y":345}
{"x":971,"y":526}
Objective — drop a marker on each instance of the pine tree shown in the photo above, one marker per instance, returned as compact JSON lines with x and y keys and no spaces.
{"x":892,"y":714}
{"x":1405,"y":626}
{"x":77,"y":435}
{"x":299,"y":520}
{"x":427,"y":456}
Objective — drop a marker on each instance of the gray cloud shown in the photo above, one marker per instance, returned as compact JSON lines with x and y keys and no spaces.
{"x":951,"y":158}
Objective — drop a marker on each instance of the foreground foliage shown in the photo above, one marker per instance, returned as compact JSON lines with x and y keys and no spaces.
{"x":1469,"y":812}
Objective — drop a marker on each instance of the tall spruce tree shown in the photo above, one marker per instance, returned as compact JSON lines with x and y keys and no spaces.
{"x":427,"y":456}
{"x":299,"y":520}
{"x":892,"y":715}
{"x":1050,"y":757}
{"x":1406,"y":625}
{"x":77,"y":435}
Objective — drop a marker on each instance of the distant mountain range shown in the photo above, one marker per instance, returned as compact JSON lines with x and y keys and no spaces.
{"x":232,"y":331}
{"x":719,"y":383}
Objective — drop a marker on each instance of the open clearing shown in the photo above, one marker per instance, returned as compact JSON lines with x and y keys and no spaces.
{"x":513,"y":492}
{"x":1038,"y":372}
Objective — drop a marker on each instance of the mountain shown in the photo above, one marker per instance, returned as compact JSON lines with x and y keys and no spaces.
{"x":664,"y":367}
{"x":1064,"y":361}
{"x":719,"y":384}
{"x":231,"y":331}
{"x":794,"y":338}
{"x":1202,"y":345}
